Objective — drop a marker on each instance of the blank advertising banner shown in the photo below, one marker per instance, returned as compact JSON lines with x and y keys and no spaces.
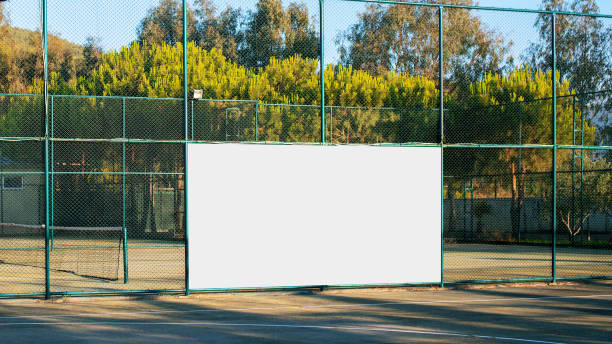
{"x":298,"y":215}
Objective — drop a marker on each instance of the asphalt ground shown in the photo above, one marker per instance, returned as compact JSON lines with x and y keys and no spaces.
{"x":567,"y":312}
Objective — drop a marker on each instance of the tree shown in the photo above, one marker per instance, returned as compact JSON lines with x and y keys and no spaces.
{"x":489,"y":113}
{"x":63,"y":59}
{"x":583,"y":46}
{"x":206,"y":33}
{"x":273,"y":32}
{"x":5,"y":52}
{"x":584,"y":57}
{"x":164,"y":23}
{"x":300,"y":36}
{"x":264,"y":34}
{"x":404,"y":39}
{"x":596,"y":195}
{"x":481,"y":208}
{"x":3,"y":21}
{"x":3,"y":17}
{"x":230,"y":27}
{"x":92,"y":53}
{"x":223,"y":32}
{"x":250,"y":38}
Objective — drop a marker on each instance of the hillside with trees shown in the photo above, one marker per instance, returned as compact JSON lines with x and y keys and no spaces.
{"x":21,"y":58}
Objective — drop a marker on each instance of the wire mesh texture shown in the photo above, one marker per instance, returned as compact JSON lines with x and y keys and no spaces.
{"x":98,"y":102}
{"x":94,"y":252}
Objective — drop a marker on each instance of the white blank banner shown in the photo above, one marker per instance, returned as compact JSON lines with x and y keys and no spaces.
{"x":297,"y":215}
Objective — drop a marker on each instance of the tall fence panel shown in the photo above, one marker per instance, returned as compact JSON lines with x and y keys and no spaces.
{"x":22,"y":181}
{"x":99,"y":102}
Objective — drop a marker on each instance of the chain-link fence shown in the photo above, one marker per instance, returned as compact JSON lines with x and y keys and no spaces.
{"x":98,"y":102}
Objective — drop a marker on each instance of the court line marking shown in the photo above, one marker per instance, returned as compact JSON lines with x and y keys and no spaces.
{"x":354,"y":305}
{"x":296,"y":326}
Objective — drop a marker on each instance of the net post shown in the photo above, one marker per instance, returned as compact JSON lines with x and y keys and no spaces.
{"x":125,"y":255}
{"x":441,"y":82}
{"x":554,"y":127}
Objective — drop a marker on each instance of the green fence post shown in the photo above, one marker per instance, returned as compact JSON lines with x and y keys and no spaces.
{"x":464,"y":209}
{"x":321,"y":47}
{"x":331,"y":124}
{"x":46,"y":144}
{"x":256,"y":119}
{"x":581,"y":112}
{"x":520,"y":174}
{"x":52,"y":183}
{"x":186,"y":123}
{"x":573,"y":211}
{"x":123,"y":210}
{"x":554,"y":113}
{"x":441,"y":81}
{"x":472,"y":234}
{"x":125,"y":255}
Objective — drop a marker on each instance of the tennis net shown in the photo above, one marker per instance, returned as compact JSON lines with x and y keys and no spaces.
{"x":91,"y":252}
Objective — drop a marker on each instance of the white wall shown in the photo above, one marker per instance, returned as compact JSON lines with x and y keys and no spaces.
{"x":297,"y":215}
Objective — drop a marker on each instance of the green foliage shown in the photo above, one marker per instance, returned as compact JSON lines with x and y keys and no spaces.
{"x":21,"y":64}
{"x":5,"y":63}
{"x":92,"y":53}
{"x":223,"y":32}
{"x":384,"y":91}
{"x":164,"y":23}
{"x":583,"y":45}
{"x":5,"y":66}
{"x":20,"y":117}
{"x":272,"y":31}
{"x":494,"y":105}
{"x":404,"y":38}
{"x":575,"y":206}
{"x":481,"y":208}
{"x":2,"y":15}
{"x":248,"y":38}
{"x":489,"y":111}
{"x":154,"y":70}
{"x":583,"y":54}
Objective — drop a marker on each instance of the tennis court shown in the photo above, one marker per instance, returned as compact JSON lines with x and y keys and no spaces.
{"x":482,"y":262}
{"x":569,"y":312}
{"x":159,"y":265}
{"x":90,"y":265}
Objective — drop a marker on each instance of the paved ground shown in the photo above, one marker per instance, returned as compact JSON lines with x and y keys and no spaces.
{"x":530,"y":313}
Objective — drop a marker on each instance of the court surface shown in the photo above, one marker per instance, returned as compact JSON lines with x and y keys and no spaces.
{"x":568,"y":312}
{"x":162,"y":267}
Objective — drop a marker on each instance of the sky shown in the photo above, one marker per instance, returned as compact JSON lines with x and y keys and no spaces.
{"x":115,"y":21}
